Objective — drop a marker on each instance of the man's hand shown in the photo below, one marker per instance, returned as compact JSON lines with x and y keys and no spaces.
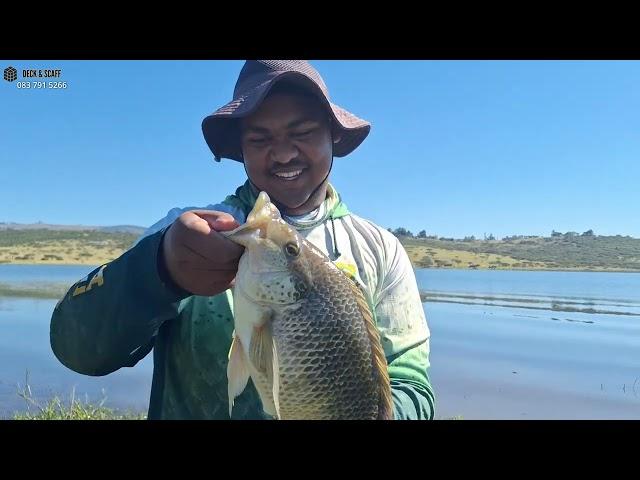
{"x":199,"y":259}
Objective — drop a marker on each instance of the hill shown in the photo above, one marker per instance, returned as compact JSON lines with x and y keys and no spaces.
{"x":90,"y":245}
{"x":564,"y":252}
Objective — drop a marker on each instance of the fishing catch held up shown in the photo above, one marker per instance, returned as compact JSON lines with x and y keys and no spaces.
{"x":304,"y":332}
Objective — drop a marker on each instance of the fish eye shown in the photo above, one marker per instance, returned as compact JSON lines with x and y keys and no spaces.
{"x":291,"y":249}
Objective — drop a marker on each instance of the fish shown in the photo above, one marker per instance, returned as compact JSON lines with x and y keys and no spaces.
{"x":303,"y":330}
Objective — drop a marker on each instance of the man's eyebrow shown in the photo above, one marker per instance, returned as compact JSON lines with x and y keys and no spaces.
{"x":254,"y":129}
{"x":293,"y":124}
{"x":301,"y":121}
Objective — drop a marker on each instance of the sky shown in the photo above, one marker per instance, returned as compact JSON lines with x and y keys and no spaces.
{"x":457,"y":148}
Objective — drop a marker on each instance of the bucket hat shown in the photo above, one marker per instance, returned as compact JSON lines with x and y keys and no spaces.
{"x":255,"y":80}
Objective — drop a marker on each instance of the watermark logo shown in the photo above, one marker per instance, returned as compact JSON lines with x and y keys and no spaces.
{"x":10,"y":74}
{"x":36,"y":78}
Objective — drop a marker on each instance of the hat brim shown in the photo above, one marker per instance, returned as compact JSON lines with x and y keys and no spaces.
{"x":220,"y":132}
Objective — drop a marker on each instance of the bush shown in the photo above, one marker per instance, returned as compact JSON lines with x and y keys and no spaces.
{"x":427,"y":261}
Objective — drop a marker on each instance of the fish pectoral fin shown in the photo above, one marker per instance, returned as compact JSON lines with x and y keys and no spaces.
{"x":264,"y":357}
{"x":275,"y":378}
{"x":260,"y":348}
{"x":237,"y":371}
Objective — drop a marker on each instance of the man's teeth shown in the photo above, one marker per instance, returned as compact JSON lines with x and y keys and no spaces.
{"x":289,"y":174}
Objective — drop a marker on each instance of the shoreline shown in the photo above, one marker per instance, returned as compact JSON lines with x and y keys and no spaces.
{"x":491,"y":302}
{"x":44,"y":291}
{"x":93,"y":262}
{"x":88,"y":263}
{"x":585,"y":269}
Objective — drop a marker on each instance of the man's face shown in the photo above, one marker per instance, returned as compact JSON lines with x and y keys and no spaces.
{"x":287,"y":149}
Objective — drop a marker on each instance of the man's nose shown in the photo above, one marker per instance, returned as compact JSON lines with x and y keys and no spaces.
{"x":284,"y":151}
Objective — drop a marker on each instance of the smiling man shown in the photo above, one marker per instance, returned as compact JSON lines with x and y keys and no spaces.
{"x":288,"y":147}
{"x":171,"y":291}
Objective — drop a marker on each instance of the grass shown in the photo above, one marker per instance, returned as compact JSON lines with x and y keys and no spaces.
{"x":54,"y":247}
{"x":60,"y":253}
{"x":425,"y":257}
{"x":580,"y":253}
{"x":74,"y":409}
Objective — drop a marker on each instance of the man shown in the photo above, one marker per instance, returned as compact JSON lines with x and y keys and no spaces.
{"x":171,"y":291}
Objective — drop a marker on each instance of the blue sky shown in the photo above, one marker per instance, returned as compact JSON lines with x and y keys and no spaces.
{"x":457,"y":148}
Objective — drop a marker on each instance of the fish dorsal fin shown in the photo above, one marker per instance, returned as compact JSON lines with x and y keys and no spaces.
{"x":385,"y":401}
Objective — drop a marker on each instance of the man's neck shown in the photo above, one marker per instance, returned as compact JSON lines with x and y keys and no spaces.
{"x":313,"y":202}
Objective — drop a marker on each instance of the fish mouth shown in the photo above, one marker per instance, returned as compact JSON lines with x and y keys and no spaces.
{"x":257,"y":222}
{"x":264,"y":227}
{"x":244,"y":235}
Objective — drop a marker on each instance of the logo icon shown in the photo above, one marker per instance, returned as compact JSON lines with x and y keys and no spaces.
{"x":10,"y":74}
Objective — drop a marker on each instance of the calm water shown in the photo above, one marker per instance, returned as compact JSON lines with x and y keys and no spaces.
{"x":504,"y":344}
{"x":510,"y":345}
{"x":24,"y":346}
{"x":22,"y":274}
{"x":578,"y":285}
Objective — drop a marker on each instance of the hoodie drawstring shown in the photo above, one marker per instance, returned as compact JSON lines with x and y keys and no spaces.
{"x":335,"y":241}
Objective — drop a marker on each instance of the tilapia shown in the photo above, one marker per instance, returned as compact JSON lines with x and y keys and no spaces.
{"x":303,"y":330}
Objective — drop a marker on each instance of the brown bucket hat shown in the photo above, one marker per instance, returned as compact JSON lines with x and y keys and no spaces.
{"x":256,"y":78}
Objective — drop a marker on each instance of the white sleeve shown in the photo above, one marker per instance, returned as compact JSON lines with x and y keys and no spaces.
{"x":399,"y":310}
{"x":174,"y":213}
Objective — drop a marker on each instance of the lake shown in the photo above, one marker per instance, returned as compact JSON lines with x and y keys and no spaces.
{"x":504,"y":345}
{"x":24,"y":346}
{"x":519,"y":345}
